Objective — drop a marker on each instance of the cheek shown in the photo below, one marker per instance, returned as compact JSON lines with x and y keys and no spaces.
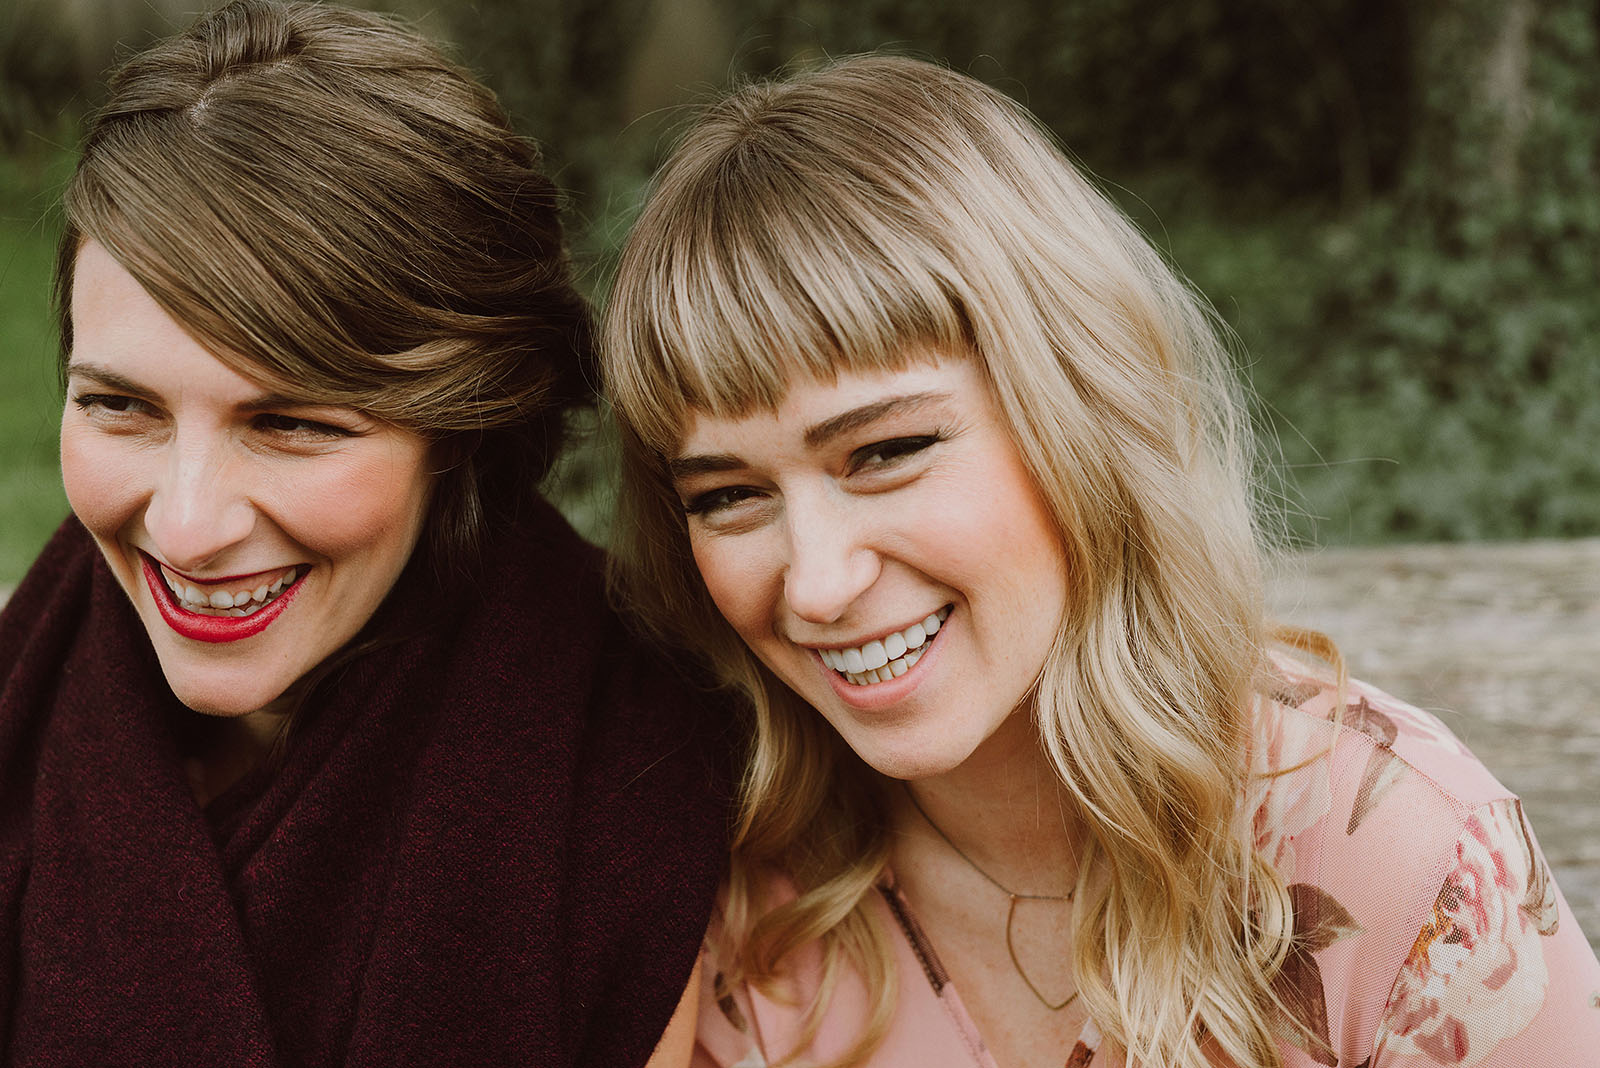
{"x":371,"y":507}
{"x":1023,"y":524}
{"x":1035,"y":578}
{"x":104,"y":482}
{"x":1001,"y":537}
{"x":739,"y":581}
{"x":1018,"y":512}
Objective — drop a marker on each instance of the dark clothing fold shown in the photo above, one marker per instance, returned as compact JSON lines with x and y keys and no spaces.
{"x":493,"y":840}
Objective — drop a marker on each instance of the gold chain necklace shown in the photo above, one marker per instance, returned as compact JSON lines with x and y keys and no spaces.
{"x":1011,"y":912}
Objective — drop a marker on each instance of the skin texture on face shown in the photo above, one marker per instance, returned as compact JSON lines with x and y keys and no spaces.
{"x":189,"y":474}
{"x":859,"y":508}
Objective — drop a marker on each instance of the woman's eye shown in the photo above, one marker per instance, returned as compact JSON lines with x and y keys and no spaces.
{"x":886,"y":453}
{"x":300,"y":428}
{"x":718,"y":500}
{"x":110,"y":404}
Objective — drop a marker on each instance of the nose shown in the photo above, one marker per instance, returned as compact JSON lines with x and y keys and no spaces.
{"x":831,"y":563}
{"x":199,"y":507}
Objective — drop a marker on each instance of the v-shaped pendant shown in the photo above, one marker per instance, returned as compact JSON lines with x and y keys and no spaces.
{"x":1053,"y":1006}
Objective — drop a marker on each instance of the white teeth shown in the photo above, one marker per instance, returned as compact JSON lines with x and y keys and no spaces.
{"x":222,"y":602}
{"x":880,"y":661}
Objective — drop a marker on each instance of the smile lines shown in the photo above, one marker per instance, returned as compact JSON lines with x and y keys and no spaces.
{"x":889,"y":658}
{"x":221,"y":601}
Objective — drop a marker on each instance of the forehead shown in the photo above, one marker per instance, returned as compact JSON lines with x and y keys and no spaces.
{"x":118,"y":327}
{"x":814,"y":409}
{"x":109,"y":306}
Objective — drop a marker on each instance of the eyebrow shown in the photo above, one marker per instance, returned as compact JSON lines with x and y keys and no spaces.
{"x":702,"y":464}
{"x":275,"y":401}
{"x":815,"y":436}
{"x":856,"y":418}
{"x":107,"y":378}
{"x":112,"y":380}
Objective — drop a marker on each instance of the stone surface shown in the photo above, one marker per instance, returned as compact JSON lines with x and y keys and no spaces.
{"x":1503,"y":642}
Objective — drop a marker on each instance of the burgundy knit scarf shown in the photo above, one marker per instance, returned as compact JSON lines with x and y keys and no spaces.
{"x":495,"y":842}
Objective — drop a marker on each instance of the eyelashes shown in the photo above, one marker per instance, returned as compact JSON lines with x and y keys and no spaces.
{"x":117,"y":408}
{"x":886,"y":458}
{"x":294,"y":427}
{"x":887,"y":453}
{"x":109,"y":402}
{"x":717,"y":500}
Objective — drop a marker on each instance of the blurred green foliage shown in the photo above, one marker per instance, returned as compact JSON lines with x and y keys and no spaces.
{"x":1456,"y":327}
{"x":1391,"y":204}
{"x":31,"y":500}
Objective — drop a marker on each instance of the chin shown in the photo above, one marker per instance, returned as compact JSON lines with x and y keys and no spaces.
{"x":209,"y":703}
{"x":220,"y":695}
{"x":910,"y":762}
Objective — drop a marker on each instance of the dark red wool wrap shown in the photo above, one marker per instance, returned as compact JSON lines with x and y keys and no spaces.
{"x":494,"y":843}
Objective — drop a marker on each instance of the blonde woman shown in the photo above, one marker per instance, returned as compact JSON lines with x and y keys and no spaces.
{"x":934,"y":459}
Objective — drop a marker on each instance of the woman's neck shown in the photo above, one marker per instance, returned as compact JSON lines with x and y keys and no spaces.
{"x":1004,"y":811}
{"x":231,"y":749}
{"x":987,"y":856}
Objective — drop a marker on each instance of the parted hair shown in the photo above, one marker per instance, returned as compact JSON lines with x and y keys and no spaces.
{"x":839,"y":220}
{"x":331,"y":206}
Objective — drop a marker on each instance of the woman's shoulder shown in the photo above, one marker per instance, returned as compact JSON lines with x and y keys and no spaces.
{"x":1363,"y":796}
{"x":46,"y":615}
{"x":55,"y":581}
{"x":1425,"y":913}
{"x":533,"y":656}
{"x":1374,"y":751}
{"x":539,"y":608}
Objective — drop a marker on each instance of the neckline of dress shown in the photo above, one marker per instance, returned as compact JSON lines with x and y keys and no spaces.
{"x":1085,"y":1046}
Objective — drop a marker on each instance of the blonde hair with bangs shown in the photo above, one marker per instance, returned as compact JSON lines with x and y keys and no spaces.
{"x":842,"y":220}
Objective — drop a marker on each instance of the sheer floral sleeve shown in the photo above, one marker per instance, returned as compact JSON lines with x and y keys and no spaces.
{"x":1499,"y":975}
{"x":1429,"y":931}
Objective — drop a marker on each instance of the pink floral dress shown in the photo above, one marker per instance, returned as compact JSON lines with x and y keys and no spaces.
{"x":1429,"y":931}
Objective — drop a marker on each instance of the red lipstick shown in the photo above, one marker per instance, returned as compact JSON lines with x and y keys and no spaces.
{"x":204,"y":628}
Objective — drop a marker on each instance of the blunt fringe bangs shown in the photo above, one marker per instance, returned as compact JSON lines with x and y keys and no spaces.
{"x":772,"y":260}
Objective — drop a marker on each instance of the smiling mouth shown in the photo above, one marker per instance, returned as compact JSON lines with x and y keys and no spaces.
{"x":226,"y":611}
{"x":236,"y":598}
{"x":887,"y":658}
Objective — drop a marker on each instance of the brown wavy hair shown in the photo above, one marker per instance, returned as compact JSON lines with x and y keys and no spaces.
{"x":331,"y":206}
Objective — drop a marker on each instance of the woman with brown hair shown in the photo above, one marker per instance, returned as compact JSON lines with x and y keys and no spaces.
{"x":931,"y":457}
{"x":319,"y":745}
